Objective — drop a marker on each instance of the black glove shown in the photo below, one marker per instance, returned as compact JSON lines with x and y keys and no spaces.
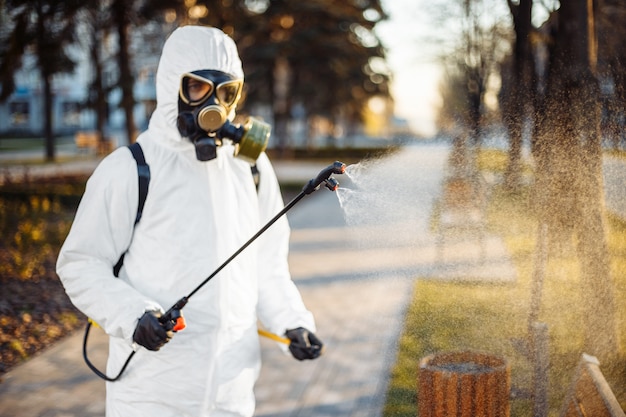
{"x":304,"y":344}
{"x":150,"y":333}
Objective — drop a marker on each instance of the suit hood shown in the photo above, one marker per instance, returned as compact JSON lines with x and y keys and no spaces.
{"x":188,"y":48}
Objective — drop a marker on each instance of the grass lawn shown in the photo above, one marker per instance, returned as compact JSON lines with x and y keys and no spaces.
{"x":31,"y":151}
{"x":456,"y":316}
{"x":21,"y":144}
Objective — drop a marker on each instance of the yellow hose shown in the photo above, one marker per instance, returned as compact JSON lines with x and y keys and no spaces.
{"x":262,"y":332}
{"x":274,"y":337}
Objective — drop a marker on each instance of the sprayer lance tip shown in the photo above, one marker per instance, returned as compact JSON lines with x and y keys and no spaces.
{"x":332,"y":184}
{"x":339,"y":167}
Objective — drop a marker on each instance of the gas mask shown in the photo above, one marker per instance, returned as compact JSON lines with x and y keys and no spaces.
{"x":206,"y":100}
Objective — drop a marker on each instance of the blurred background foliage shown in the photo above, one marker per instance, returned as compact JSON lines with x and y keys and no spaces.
{"x":34,"y":310}
{"x":319,"y":57}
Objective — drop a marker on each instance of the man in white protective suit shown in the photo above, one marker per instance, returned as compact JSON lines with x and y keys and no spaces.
{"x":202,"y":205}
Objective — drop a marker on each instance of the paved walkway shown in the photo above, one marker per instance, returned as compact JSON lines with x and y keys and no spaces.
{"x":354,"y":256}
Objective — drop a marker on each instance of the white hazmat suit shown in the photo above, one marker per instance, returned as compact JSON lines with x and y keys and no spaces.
{"x":196,"y":215}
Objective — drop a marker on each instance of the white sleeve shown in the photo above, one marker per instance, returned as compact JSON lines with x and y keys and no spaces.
{"x":100,"y":233}
{"x":280,"y":303}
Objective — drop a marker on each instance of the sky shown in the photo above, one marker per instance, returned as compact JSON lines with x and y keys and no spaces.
{"x":411,"y":53}
{"x":415,"y":76}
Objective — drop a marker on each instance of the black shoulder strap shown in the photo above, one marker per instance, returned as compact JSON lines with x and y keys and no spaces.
{"x":256,"y":176}
{"x":143,"y":172}
{"x":143,"y":175}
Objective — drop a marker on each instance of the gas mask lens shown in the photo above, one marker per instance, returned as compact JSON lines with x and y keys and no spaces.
{"x":196,"y":88}
{"x":195,"y":91}
{"x":228,"y":93}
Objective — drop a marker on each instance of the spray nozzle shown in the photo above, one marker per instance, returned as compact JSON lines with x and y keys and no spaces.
{"x":332,"y":184}
{"x":324,"y":176}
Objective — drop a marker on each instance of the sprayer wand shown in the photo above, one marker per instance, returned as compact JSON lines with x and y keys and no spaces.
{"x":173,"y":318}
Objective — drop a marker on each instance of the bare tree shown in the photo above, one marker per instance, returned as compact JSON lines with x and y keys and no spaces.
{"x":121,"y":12}
{"x":612,"y":69}
{"x":92,"y":33}
{"x":482,"y":43}
{"x":569,"y":181}
{"x":517,"y":98}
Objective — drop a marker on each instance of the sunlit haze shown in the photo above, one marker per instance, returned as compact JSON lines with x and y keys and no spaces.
{"x":415,"y":74}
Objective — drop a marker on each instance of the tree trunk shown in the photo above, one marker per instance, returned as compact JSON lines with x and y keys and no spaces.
{"x":126,"y":77}
{"x":281,"y":87}
{"x":519,"y":102}
{"x":569,"y":162}
{"x":100,"y":102}
{"x":475,"y":98}
{"x":47,"y":89}
{"x":48,"y":133}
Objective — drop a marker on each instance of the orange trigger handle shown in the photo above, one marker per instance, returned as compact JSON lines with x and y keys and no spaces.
{"x":180,"y":323}
{"x":173,"y":319}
